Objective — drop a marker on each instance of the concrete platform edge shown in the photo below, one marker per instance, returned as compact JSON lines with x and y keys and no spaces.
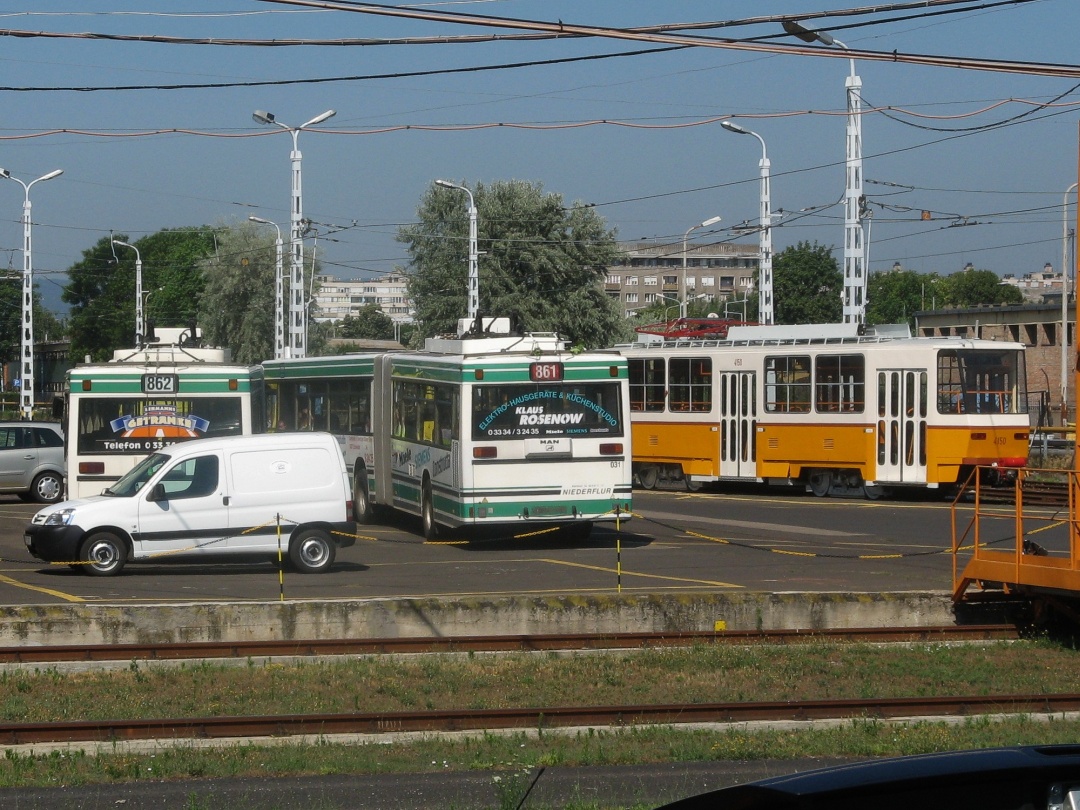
{"x":74,"y":624}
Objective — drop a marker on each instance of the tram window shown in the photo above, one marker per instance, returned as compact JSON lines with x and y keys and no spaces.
{"x":787,"y":384}
{"x":690,"y":384}
{"x":648,"y":379}
{"x":979,"y":381}
{"x":841,"y":383}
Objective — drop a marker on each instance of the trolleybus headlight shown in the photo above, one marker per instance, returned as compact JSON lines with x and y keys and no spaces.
{"x":61,"y":517}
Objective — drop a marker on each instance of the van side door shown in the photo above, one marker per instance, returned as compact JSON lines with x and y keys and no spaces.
{"x":185,"y":510}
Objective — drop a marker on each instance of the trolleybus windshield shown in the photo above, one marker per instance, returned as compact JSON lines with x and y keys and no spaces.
{"x":546,"y":409}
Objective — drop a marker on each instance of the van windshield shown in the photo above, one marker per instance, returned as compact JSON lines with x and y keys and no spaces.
{"x":135,"y":479}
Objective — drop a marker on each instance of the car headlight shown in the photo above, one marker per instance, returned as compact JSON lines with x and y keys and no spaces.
{"x":61,"y":517}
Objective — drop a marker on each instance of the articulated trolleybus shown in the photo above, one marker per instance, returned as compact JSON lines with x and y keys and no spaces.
{"x":827,"y":407}
{"x":146,"y":398}
{"x":488,"y":429}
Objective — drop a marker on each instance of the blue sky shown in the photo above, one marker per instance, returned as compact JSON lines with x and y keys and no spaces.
{"x":654,"y":179}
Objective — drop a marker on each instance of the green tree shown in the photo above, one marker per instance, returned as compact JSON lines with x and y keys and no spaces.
{"x":807,"y":285}
{"x":46,"y":325}
{"x":895,"y":296}
{"x":238,"y":301}
{"x":370,"y":323}
{"x":541,"y":264}
{"x":101,"y":288}
{"x":972,"y":288}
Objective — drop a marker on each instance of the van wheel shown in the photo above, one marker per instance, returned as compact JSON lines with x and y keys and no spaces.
{"x":312,"y":551}
{"x":103,"y":554}
{"x":427,"y":513}
{"x":362,"y":511}
{"x":48,"y":487}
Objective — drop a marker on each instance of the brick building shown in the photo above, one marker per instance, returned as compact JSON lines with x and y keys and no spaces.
{"x":1037,"y":326}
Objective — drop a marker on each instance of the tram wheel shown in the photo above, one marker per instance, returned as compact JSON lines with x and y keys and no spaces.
{"x":647,"y":477}
{"x":820,"y":482}
{"x":691,"y":486}
{"x":873,"y":492}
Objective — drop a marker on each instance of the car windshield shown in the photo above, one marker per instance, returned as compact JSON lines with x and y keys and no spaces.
{"x":131,"y":483}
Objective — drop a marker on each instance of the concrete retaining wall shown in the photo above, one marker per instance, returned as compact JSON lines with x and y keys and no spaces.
{"x":532,"y":615}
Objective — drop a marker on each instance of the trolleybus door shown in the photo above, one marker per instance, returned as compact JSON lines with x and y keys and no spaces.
{"x":738,"y":420}
{"x":901,"y":426}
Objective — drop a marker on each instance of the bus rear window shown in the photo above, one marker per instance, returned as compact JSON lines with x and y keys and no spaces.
{"x":546,"y":409}
{"x":125,"y":425}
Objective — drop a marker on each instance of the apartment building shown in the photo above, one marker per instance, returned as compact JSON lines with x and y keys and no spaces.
{"x":652,"y":272}
{"x":337,"y":298}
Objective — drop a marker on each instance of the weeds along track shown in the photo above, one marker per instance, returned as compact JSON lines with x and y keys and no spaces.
{"x":476,"y":644}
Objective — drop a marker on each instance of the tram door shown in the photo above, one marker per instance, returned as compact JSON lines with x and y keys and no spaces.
{"x":738,"y":421}
{"x":901,"y":426}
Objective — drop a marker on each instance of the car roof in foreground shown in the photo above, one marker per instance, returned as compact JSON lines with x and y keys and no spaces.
{"x":989,"y":779}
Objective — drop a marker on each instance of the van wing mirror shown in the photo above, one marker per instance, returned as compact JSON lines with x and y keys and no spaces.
{"x":157,"y":493}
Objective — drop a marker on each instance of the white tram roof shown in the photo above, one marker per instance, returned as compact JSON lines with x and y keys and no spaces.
{"x":829,"y":334}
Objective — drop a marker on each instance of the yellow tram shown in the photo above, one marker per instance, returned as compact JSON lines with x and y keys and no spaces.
{"x":826,"y":406}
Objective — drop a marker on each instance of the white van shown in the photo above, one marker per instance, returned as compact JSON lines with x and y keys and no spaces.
{"x":209,"y":498}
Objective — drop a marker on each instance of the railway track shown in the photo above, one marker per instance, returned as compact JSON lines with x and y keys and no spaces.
{"x":465,"y":644}
{"x":202,"y":728}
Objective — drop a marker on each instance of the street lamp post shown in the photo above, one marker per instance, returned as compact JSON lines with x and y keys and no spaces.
{"x":297,"y":299}
{"x":682,"y":290}
{"x":474,"y":276}
{"x":279,"y":290}
{"x":26,"y":379}
{"x":1065,"y":305}
{"x":855,"y":247}
{"x":140,"y":321}
{"x":765,"y":282}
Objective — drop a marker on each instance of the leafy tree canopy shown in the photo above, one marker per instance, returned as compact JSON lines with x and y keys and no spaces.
{"x":807,"y":285}
{"x":540,"y":262}
{"x":895,"y":296}
{"x":971,"y":288}
{"x":370,"y":323}
{"x":237,"y":307}
{"x":46,"y":325}
{"x":101,"y":288}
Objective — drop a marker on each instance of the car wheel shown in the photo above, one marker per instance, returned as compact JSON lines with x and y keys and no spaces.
{"x":103,"y":554}
{"x":312,"y":551}
{"x":48,"y":487}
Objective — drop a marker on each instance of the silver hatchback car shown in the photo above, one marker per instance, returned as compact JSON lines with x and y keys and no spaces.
{"x":32,"y":460}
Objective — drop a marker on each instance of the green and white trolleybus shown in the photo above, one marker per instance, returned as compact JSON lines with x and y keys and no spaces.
{"x":144,"y":399}
{"x":487,"y":430}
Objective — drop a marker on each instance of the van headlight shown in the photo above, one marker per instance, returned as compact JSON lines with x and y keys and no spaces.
{"x":61,"y":517}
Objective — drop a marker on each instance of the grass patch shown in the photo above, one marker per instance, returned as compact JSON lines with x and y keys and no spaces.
{"x":703,"y":673}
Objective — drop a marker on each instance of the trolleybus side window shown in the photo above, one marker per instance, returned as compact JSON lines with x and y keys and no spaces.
{"x":647,"y":383}
{"x":787,"y":384}
{"x":690,"y":384}
{"x":425,"y":412}
{"x":841,"y":383}
{"x":341,"y":406}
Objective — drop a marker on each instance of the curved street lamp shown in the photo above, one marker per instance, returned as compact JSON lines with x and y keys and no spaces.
{"x":474,"y":276}
{"x":856,"y":249}
{"x":297,"y":302}
{"x":279,"y":290}
{"x":682,"y":292}
{"x":140,"y":321}
{"x":26,"y":349}
{"x":765,"y":281}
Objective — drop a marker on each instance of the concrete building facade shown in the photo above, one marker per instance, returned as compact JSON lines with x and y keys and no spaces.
{"x":337,"y":298}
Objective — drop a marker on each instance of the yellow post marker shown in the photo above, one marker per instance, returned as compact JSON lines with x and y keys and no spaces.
{"x":280,"y":563}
